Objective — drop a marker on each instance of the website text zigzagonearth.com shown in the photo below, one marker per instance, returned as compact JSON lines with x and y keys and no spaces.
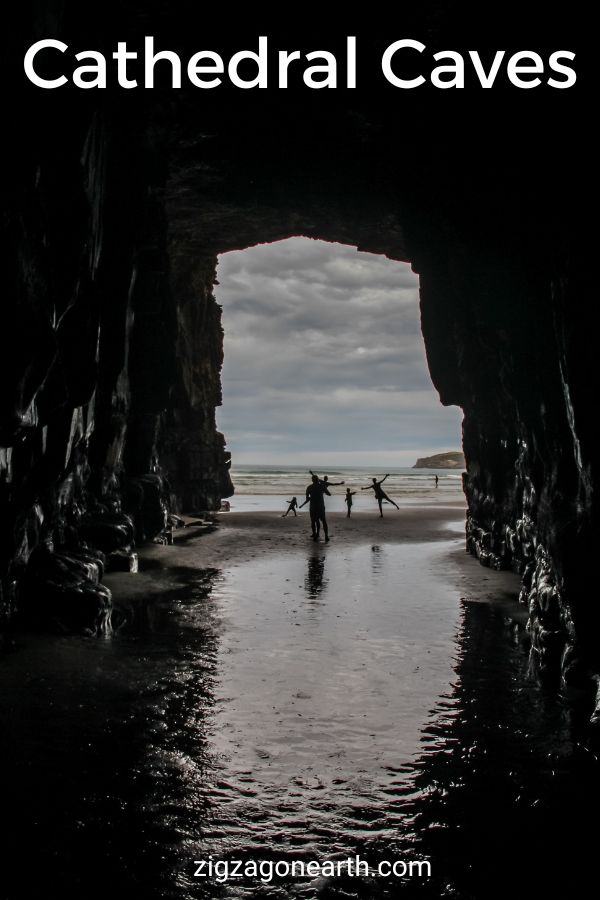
{"x":224,"y":870}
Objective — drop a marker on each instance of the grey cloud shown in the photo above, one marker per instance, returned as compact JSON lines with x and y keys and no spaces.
{"x":323,"y":350}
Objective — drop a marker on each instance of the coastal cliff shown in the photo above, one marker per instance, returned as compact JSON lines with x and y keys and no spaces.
{"x":453,"y":459}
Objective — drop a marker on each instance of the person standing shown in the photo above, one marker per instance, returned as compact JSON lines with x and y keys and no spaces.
{"x":348,"y":499}
{"x":314,"y":497}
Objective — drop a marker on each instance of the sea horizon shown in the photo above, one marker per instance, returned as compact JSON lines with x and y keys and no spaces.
{"x":277,"y":483}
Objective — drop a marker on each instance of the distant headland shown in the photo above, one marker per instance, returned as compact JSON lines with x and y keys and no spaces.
{"x":453,"y":459}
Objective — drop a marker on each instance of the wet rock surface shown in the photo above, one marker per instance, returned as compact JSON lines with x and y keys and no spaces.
{"x":62,"y":592}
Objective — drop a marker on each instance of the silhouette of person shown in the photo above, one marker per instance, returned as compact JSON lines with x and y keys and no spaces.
{"x":348,"y":498}
{"x":436,"y":480}
{"x":380,"y":494}
{"x":292,"y":506}
{"x":314,"y":497}
{"x":327,"y":484}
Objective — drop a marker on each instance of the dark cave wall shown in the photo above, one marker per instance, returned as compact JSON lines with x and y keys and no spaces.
{"x":191,"y":450}
{"x":94,"y":347}
{"x":506,"y":340}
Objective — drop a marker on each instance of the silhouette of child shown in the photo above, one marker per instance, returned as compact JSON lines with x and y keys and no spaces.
{"x":293,"y":503}
{"x":348,"y":498}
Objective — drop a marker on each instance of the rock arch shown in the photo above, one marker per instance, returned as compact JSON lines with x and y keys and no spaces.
{"x":119,"y":206}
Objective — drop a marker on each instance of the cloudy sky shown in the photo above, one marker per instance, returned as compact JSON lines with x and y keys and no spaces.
{"x":324,"y":359}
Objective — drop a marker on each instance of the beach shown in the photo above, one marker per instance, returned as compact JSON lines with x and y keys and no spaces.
{"x":265,"y":696}
{"x":244,"y":535}
{"x":266,"y":488}
{"x":268,"y":698}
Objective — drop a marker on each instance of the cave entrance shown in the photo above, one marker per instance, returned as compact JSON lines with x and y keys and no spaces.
{"x":324,"y":364}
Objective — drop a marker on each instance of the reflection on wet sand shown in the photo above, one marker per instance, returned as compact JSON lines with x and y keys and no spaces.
{"x":315,"y":582}
{"x":507,"y":782}
{"x":305,"y":706}
{"x":377,"y":560}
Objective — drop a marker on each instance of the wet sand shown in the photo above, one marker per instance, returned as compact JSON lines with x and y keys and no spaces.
{"x":244,"y":536}
{"x":272,"y":697}
{"x":333,"y":661}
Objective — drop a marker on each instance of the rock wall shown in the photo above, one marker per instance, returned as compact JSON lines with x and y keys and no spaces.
{"x":104,"y":365}
{"x":190,"y":448}
{"x":511,"y":352}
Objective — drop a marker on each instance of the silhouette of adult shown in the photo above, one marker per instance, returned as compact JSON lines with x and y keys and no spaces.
{"x":380,"y":494}
{"x":314,"y":497}
{"x":326,"y":483}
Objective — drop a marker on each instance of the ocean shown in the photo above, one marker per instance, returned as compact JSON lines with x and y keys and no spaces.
{"x":261,"y":488}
